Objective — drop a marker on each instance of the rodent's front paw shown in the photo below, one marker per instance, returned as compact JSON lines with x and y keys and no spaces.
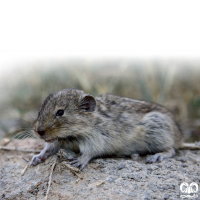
{"x":36,"y":160}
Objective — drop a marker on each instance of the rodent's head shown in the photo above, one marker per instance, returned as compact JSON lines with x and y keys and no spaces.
{"x":64,"y":113}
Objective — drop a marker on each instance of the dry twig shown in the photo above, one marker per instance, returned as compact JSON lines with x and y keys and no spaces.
{"x":74,"y":170}
{"x":50,"y":177}
{"x":19,"y":149}
{"x":4,"y":142}
{"x":27,"y":161}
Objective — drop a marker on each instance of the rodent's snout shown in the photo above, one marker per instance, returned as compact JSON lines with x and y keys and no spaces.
{"x":41,"y":131}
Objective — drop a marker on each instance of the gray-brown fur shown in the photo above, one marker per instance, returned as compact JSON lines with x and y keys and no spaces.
{"x":107,"y":125}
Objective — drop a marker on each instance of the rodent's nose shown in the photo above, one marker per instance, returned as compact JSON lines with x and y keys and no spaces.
{"x":41,"y":132}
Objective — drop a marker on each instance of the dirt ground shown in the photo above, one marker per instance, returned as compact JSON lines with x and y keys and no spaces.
{"x":104,"y":178}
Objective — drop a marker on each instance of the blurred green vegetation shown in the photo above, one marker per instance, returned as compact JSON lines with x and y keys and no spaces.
{"x":174,"y":84}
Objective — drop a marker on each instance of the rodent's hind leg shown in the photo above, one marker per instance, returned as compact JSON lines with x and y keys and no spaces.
{"x":160,"y":156}
{"x":81,"y":161}
{"x":49,"y":149}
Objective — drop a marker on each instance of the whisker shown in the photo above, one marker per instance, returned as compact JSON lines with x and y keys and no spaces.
{"x":32,"y":119}
{"x":34,"y":137}
{"x":24,"y":137}
{"x":16,"y":136}
{"x":52,"y":125}
{"x":21,"y":135}
{"x":23,"y":129}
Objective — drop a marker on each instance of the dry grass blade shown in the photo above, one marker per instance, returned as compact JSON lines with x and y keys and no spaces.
{"x":100,"y":183}
{"x":24,"y":170}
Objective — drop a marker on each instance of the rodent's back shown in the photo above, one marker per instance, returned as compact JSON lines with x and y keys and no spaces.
{"x":126,"y":112}
{"x":111,"y":106}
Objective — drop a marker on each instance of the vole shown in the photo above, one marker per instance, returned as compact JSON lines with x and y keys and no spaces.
{"x":107,"y":125}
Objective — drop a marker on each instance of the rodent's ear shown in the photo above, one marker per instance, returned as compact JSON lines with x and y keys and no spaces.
{"x":88,"y":103}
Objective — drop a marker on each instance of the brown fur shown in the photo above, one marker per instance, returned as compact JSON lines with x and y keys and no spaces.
{"x":105,"y":125}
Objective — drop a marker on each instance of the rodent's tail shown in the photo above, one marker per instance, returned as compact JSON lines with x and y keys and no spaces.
{"x":190,"y":146}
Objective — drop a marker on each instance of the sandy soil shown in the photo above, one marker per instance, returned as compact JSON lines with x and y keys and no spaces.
{"x":108,"y":178}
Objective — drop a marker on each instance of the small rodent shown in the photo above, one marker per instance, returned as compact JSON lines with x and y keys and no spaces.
{"x":107,"y":125}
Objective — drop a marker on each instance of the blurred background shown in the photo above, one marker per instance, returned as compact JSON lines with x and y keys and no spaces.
{"x":173,"y":83}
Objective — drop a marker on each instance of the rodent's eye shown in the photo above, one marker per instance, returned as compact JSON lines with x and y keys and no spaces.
{"x":60,"y":113}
